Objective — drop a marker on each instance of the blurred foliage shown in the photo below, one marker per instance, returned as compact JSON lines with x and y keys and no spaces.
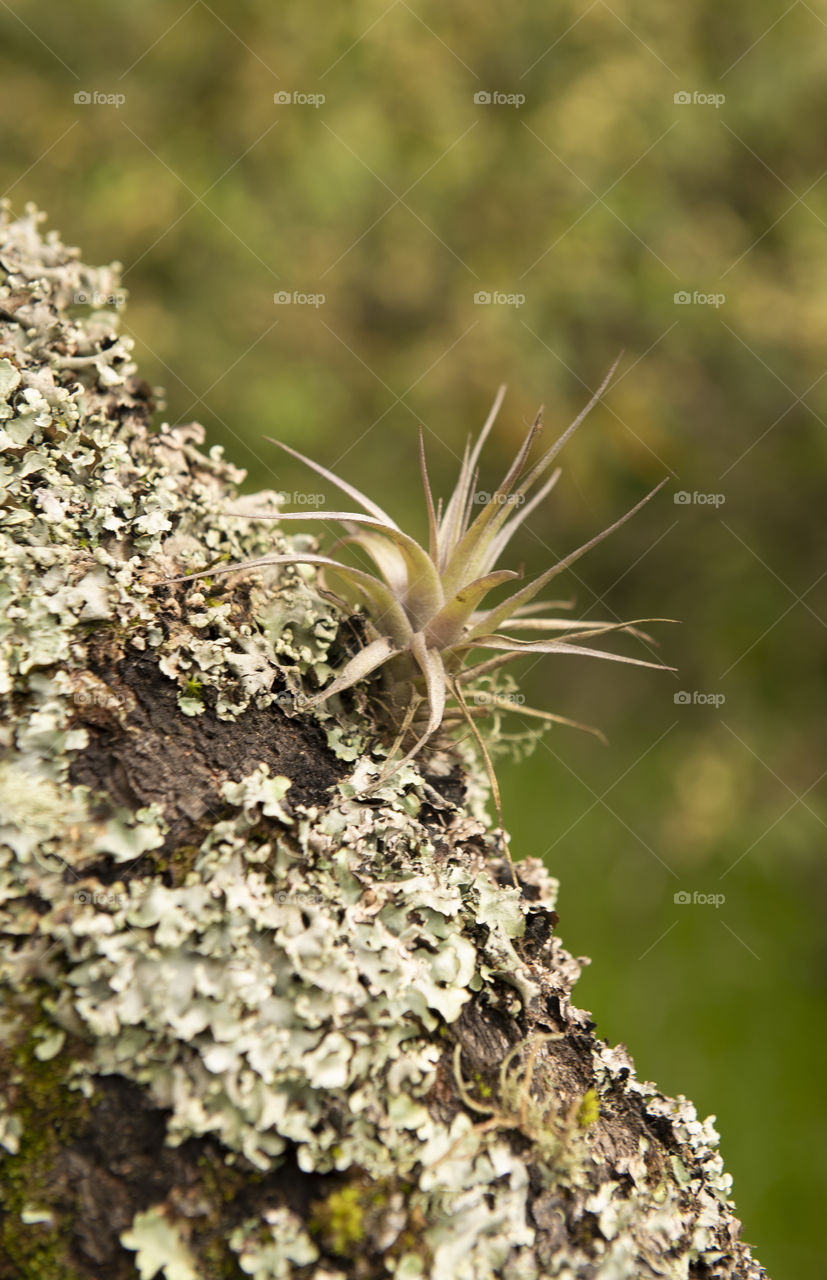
{"x":598,"y":199}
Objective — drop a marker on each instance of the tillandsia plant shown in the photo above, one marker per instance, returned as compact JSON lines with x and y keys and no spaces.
{"x":426,"y":612}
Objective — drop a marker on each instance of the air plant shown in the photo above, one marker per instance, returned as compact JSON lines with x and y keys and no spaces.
{"x":426,"y":607}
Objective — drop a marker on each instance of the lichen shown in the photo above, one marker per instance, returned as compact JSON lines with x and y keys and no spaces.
{"x":285,"y":977}
{"x":158,"y":1246}
{"x":267,"y":1249}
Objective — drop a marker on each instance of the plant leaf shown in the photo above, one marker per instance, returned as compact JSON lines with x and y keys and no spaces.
{"x":433,"y":524}
{"x":431,"y":665}
{"x":503,"y":704}
{"x":584,"y":627}
{"x":503,"y":536}
{"x":508,"y":645}
{"x":349,"y":489}
{"x":388,"y":559}
{"x":359,"y":666}
{"x":422,"y":587}
{"x":477,"y":563}
{"x":539,"y":605}
{"x":505,"y":610}
{"x":447,"y":626}
{"x":542,"y":463}
{"x":389,"y":613}
{"x":466,"y":557}
{"x":451,"y":525}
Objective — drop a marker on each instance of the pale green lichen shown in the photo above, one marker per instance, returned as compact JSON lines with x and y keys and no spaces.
{"x":267,"y":1249}
{"x":11,"y":1129}
{"x":296,"y":989}
{"x":158,"y":1248}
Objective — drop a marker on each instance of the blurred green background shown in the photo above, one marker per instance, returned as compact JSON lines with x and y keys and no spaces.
{"x":591,"y":204}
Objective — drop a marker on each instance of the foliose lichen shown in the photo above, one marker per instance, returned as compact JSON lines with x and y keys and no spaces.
{"x":282,"y":969}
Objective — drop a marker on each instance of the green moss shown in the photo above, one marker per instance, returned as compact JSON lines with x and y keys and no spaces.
{"x":51,"y":1115}
{"x":180,"y":862}
{"x":221,"y":1185}
{"x":338,"y":1221}
{"x":219,"y":1262}
{"x":483,"y":1089}
{"x":589,"y":1111}
{"x":34,"y":1251}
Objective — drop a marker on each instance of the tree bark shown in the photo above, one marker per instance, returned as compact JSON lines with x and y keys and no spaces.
{"x":254,"y":1023}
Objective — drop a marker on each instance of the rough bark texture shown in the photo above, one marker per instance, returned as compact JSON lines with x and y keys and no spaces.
{"x":252,"y":1024}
